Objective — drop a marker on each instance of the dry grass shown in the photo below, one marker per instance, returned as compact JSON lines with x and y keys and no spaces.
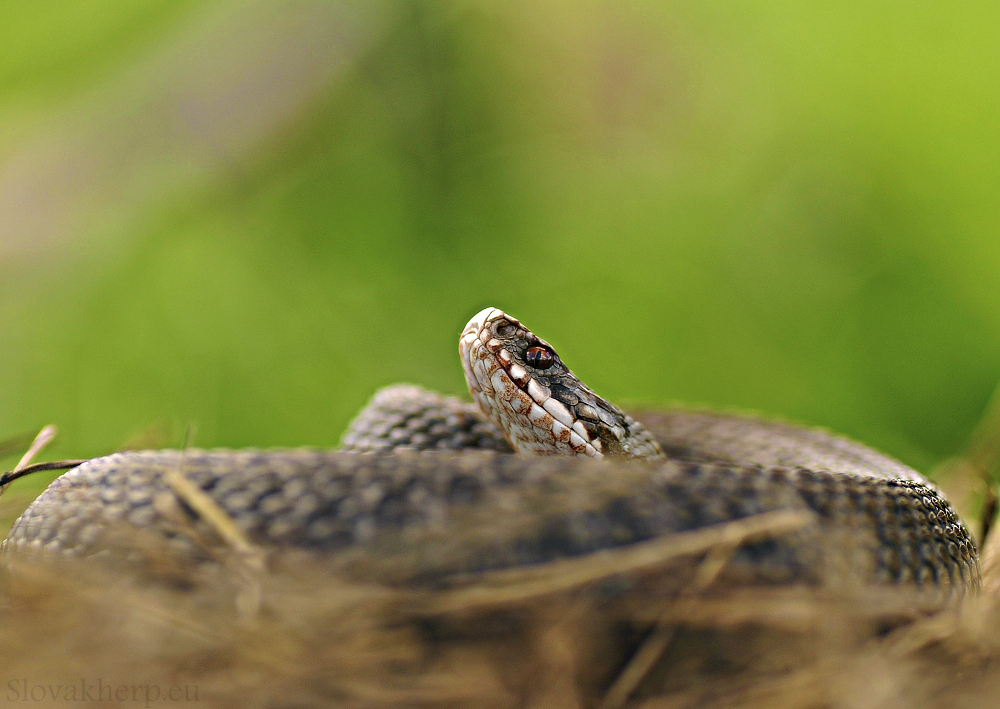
{"x":304,"y":632}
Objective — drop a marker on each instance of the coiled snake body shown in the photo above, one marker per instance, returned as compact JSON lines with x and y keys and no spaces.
{"x":586,"y":477}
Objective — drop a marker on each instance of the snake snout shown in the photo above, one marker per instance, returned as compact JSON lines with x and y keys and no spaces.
{"x":480,"y":320}
{"x":469,"y":346}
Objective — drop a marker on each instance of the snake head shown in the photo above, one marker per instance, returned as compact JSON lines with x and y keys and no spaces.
{"x":522,"y":385}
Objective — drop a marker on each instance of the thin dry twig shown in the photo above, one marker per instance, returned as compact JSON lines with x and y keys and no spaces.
{"x":9,"y":477}
{"x":24,"y":466}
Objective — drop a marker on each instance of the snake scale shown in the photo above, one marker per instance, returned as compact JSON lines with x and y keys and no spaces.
{"x":539,"y":468}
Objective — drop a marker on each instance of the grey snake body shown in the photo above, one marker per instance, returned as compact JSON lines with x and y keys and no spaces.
{"x":405,"y":485}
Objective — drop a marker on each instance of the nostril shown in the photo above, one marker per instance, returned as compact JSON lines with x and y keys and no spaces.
{"x":504,"y":328}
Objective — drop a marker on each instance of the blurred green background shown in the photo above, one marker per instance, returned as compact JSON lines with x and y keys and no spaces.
{"x":250,"y":215}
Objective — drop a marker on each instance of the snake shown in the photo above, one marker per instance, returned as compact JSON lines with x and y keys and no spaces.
{"x":536,"y":469}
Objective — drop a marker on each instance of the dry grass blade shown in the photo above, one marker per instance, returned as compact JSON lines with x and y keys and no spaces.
{"x":209,"y":510}
{"x":973,"y":472}
{"x":977,"y":466}
{"x":503,"y":588}
{"x":15,"y":444}
{"x":250,"y":558}
{"x":652,"y":649}
{"x":43,"y":439}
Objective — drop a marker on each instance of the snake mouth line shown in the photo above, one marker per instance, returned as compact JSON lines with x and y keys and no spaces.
{"x":532,"y":419}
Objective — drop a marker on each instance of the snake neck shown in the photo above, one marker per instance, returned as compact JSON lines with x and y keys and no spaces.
{"x":521,"y":384}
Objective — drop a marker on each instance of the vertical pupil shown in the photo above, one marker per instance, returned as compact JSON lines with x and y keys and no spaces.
{"x":539,"y":357}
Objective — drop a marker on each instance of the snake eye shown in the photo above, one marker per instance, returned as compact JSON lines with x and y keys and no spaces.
{"x":504,"y":328}
{"x":539,"y":357}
